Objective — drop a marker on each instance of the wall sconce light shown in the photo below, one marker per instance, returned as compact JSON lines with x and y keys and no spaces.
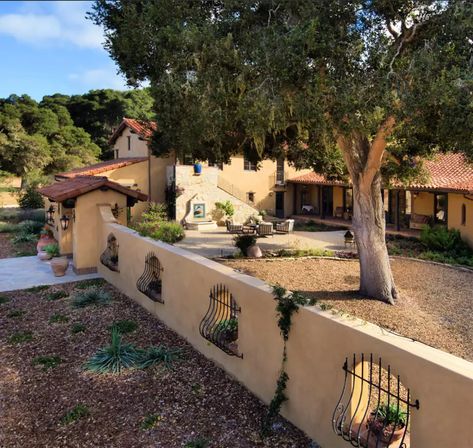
{"x":50,"y":214}
{"x":115,"y":211}
{"x":64,"y":222}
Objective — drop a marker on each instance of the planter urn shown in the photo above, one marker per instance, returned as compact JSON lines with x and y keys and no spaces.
{"x":197,"y":169}
{"x":254,"y":251}
{"x":43,"y":255}
{"x":59,"y":266}
{"x":44,"y":240}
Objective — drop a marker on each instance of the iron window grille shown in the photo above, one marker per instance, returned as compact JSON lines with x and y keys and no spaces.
{"x":374,"y":407}
{"x":150,"y":282}
{"x":220,"y":323}
{"x":109,"y":257}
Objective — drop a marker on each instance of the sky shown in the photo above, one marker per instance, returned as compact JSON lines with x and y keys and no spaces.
{"x":50,"y":47}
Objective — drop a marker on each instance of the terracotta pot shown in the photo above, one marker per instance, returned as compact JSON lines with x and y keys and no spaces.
{"x":43,"y":255}
{"x":44,"y":240}
{"x":254,"y":252}
{"x":59,"y":266}
{"x":385,"y":435}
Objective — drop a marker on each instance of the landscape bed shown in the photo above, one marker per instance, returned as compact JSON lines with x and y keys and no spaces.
{"x":435,"y":304}
{"x":48,"y":398}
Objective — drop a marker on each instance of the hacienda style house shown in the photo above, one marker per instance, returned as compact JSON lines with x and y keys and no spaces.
{"x":135,"y":176}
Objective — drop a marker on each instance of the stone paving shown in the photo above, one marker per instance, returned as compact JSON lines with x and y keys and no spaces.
{"x":217,"y":243}
{"x":26,"y":272}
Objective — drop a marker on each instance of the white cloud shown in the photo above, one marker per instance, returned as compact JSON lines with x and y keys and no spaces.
{"x":99,"y":78}
{"x":52,"y":23}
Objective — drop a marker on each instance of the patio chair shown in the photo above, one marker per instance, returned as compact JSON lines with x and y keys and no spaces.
{"x":285,"y":227}
{"x":338,"y":212}
{"x":234,"y":228}
{"x":265,"y":229}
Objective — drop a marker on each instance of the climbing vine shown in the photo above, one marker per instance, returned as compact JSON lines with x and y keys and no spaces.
{"x":287,"y":305}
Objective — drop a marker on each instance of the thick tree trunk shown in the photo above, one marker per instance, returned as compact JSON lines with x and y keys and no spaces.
{"x":376,"y":279}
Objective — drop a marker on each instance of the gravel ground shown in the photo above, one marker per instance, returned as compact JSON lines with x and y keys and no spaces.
{"x":435,"y":307}
{"x":9,"y":250}
{"x":194,"y":400}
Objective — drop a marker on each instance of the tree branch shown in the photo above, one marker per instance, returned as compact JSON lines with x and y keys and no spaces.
{"x":391,"y":30}
{"x":376,"y":153}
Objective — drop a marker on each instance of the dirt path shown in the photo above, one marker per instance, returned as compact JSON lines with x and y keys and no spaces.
{"x":436,"y":304}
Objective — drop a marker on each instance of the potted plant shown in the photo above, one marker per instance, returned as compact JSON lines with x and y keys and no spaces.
{"x":59,"y":264}
{"x":387,"y":423}
{"x":197,"y":168}
{"x":45,"y":238}
{"x":227,"y":333}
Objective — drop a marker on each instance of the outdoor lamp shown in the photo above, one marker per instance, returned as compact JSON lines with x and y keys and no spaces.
{"x":64,"y":222}
{"x":50,"y":214}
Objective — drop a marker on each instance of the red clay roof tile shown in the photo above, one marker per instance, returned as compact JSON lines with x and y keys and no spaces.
{"x":144,"y":129}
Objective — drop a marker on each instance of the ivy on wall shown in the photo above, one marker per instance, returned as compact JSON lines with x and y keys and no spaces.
{"x":287,"y":305}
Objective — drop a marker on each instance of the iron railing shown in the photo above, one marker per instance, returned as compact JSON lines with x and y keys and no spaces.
{"x":374,"y":407}
{"x":150,"y":283}
{"x":220,"y":323}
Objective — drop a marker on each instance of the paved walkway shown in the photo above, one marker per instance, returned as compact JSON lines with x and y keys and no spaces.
{"x":217,"y":243}
{"x":26,"y":272}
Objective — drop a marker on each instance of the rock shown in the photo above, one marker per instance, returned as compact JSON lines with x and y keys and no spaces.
{"x":254,"y":251}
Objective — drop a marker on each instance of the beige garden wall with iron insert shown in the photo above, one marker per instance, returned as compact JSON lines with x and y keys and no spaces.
{"x":318,"y":344}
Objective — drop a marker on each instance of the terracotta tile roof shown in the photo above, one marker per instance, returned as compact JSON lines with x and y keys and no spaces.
{"x":79,"y":185}
{"x":144,"y":129}
{"x":92,"y":170}
{"x":446,"y":172}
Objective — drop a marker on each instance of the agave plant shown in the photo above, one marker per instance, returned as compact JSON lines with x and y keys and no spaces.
{"x":91,"y":296}
{"x":114,"y":357}
{"x":158,"y":354}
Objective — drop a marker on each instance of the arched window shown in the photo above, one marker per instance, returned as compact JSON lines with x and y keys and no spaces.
{"x":463,"y":215}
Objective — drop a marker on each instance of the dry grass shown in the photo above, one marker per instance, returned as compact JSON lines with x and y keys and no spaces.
{"x":436,"y":304}
{"x":156,"y":407}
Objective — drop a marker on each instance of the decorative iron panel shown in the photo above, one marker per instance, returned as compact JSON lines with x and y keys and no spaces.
{"x":150,"y":283}
{"x":109,"y":257}
{"x":374,"y":408}
{"x":220,"y":323}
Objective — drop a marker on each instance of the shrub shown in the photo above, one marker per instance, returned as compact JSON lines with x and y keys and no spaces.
{"x":158,"y":355}
{"x":56,"y":295}
{"x":4,"y":299}
{"x":20,"y":337}
{"x":48,"y":362}
{"x":77,"y":412}
{"x":91,"y":296}
{"x":169,"y":232}
{"x":29,"y":226}
{"x":52,"y":249}
{"x":226,"y":208}
{"x":23,"y":237}
{"x":58,"y":319}
{"x":243,"y":242}
{"x":78,"y":328}
{"x":124,"y":326}
{"x":89,"y":283}
{"x":38,"y":288}
{"x":16,"y":313}
{"x":31,"y":198}
{"x":114,"y":357}
{"x":150,"y":421}
{"x":155,"y":212}
{"x":197,"y":443}
{"x":442,"y":239}
{"x":7,"y":227}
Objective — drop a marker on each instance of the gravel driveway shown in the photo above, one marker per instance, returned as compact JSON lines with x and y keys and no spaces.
{"x":435,"y":307}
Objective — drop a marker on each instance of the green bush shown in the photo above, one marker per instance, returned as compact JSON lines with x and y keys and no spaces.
{"x":78,"y":328}
{"x":197,"y":443}
{"x":29,"y":226}
{"x":169,"y":232}
{"x":23,"y":237}
{"x":150,"y":421}
{"x":56,"y":295}
{"x":226,"y":208}
{"x":52,"y":249}
{"x":91,"y":296}
{"x":114,"y":357}
{"x":20,"y":337}
{"x":31,"y":198}
{"x":158,"y":355}
{"x":48,"y":362}
{"x":155,"y":212}
{"x":124,"y":326}
{"x":4,"y":299}
{"x":439,"y":238}
{"x":58,"y":319}
{"x":243,"y":242}
{"x":7,"y":227}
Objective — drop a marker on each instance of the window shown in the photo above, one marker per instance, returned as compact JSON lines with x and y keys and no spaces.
{"x":280,"y":171}
{"x":347,"y":199}
{"x":250,"y":196}
{"x":441,"y":207}
{"x":463,"y":215}
{"x":248,"y":165}
{"x":187,"y":159}
{"x":129,"y":142}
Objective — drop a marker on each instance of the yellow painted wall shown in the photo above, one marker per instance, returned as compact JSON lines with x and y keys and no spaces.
{"x":87,"y":227}
{"x":337,"y":198}
{"x":318,"y":344}
{"x":261,"y":182}
{"x":423,"y":204}
{"x":139,"y":148}
{"x":455,"y":202}
{"x":63,"y":237}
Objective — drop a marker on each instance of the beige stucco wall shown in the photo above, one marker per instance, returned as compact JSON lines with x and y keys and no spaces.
{"x":337,"y":198}
{"x":423,"y":204}
{"x":87,"y":226}
{"x":261,"y":182}
{"x":318,"y":344}
{"x":139,"y":148}
{"x":455,"y":202}
{"x":63,"y":237}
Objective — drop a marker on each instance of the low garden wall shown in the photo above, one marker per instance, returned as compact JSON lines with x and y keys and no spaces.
{"x":319,"y":342}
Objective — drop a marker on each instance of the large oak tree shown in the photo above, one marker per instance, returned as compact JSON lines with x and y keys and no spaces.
{"x":380,"y":84}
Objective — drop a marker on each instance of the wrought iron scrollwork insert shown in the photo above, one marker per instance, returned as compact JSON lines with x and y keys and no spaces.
{"x":220,"y":323}
{"x":374,"y":408}
{"x":109,"y":257}
{"x":150,"y":282}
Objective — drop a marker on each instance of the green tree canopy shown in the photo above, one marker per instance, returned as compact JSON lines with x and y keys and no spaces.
{"x":381,"y":83}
